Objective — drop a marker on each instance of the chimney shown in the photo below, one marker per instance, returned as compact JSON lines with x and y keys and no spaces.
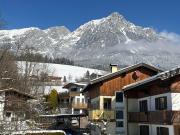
{"x":114,"y":68}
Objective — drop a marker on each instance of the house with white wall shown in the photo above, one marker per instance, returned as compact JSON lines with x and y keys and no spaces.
{"x":152,"y":106}
{"x":73,"y":101}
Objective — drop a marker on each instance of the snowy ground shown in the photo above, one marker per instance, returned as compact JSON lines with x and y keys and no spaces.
{"x":60,"y":70}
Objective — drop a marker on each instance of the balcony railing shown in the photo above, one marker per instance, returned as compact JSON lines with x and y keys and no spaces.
{"x":74,"y":93}
{"x":156,"y":117}
{"x":79,"y":105}
{"x":73,"y":105}
{"x":101,"y":114}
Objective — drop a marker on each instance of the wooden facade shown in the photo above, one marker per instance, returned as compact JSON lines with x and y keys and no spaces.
{"x":149,"y":91}
{"x":156,"y":87}
{"x":176,"y":129}
{"x":109,"y":86}
{"x":167,"y":117}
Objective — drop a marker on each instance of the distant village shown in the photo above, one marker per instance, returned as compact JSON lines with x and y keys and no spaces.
{"x":140,"y":99}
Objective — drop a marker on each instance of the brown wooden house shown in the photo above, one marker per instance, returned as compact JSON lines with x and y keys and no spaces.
{"x":13,"y":104}
{"x":153,"y":105}
{"x":101,"y":91}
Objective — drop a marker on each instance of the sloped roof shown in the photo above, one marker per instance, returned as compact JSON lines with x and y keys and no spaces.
{"x":162,"y":76}
{"x":17,"y":91}
{"x":80,"y":84}
{"x":121,"y":71}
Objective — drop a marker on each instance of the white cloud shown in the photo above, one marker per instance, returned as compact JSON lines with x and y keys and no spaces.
{"x":171,"y":36}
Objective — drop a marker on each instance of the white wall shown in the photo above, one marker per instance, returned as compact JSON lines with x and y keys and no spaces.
{"x":153,"y":128}
{"x":133,"y":105}
{"x":2,"y":99}
{"x":133,"y":129}
{"x":175,"y":101}
{"x":80,"y":97}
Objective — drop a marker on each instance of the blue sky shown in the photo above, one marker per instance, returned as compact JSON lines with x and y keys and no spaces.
{"x":158,"y":14}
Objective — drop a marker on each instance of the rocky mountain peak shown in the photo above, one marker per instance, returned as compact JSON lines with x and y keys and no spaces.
{"x":109,"y":36}
{"x":116,"y":16}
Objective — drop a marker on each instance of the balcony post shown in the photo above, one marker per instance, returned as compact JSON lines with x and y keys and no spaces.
{"x":126,"y":109}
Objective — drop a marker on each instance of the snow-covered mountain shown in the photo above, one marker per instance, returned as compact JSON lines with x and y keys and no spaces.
{"x":111,"y":39}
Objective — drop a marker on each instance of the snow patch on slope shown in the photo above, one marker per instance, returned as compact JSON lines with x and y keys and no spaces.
{"x":60,"y":70}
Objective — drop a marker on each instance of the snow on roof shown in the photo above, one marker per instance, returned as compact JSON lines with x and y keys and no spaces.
{"x":17,"y":91}
{"x":59,"y":89}
{"x":82,"y":84}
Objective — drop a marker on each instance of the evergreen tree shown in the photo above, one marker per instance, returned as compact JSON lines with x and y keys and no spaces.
{"x":52,"y":100}
{"x":87,"y":75}
{"x":64,"y":79}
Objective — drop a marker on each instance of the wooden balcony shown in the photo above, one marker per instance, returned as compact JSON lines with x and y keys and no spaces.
{"x":155,"y":117}
{"x":74,"y":93}
{"x":73,"y":105}
{"x":79,"y":105}
{"x":101,"y":114}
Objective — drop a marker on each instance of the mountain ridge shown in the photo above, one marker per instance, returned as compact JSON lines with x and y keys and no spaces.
{"x":97,"y":42}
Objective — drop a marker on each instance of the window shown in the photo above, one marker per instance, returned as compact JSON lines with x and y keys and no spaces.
{"x":144,"y":130}
{"x":107,"y":103}
{"x":78,"y":100}
{"x":119,"y":124}
{"x":83,"y":101}
{"x":143,"y":106}
{"x":162,"y":131}
{"x":95,"y":105}
{"x":119,"y":114}
{"x":73,"y":89}
{"x":8,"y":114}
{"x":67,"y":100}
{"x":119,"y":97}
{"x":161,"y":103}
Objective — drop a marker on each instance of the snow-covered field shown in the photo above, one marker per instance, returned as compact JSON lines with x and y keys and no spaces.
{"x":59,"y":70}
{"x":47,"y":89}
